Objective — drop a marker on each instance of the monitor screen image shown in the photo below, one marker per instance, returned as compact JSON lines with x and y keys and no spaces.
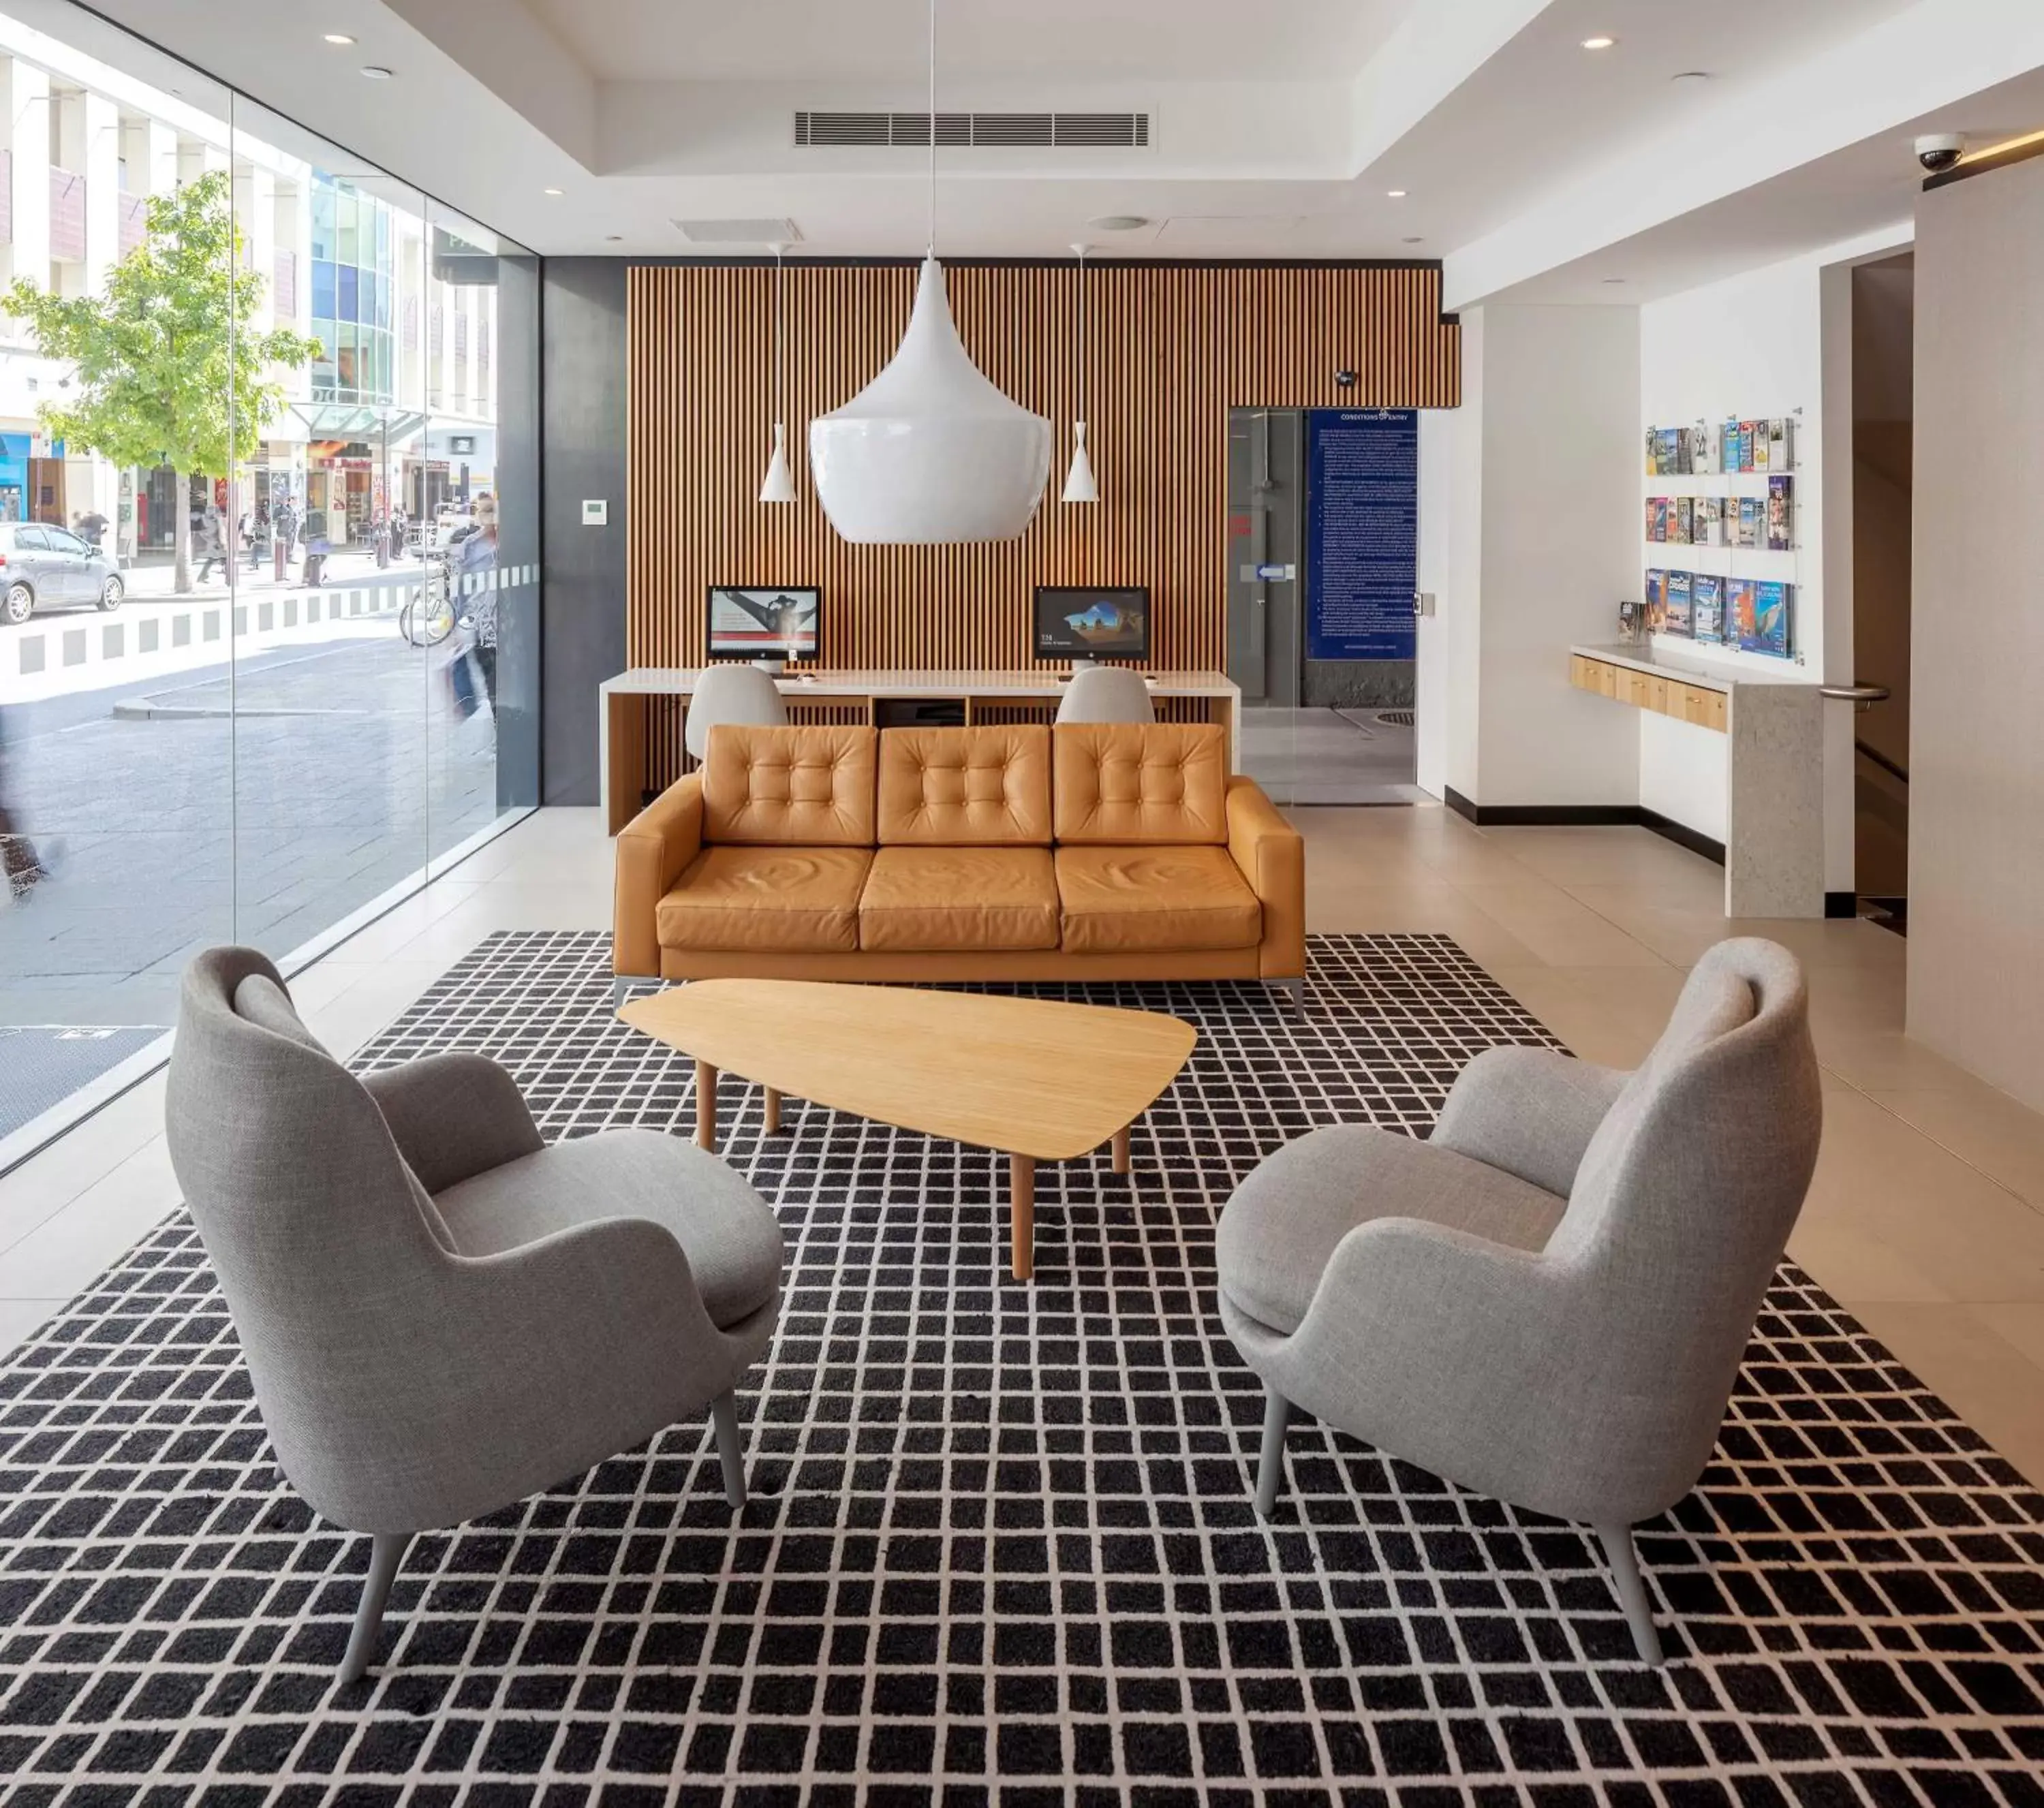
{"x":764,"y":622}
{"x":1085,"y":621}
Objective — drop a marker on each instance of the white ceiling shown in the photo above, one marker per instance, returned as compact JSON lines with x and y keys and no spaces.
{"x":1053,"y":40}
{"x":1532,"y":166}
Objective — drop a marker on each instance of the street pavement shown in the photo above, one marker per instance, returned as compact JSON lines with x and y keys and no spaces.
{"x":163,"y":835}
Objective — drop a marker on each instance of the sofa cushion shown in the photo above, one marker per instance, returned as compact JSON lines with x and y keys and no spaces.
{"x":802,"y":899}
{"x":1113,"y":900}
{"x":808,"y":786}
{"x":1277,"y":1233}
{"x":966,"y":787}
{"x":1123,"y":783}
{"x":929,"y":899}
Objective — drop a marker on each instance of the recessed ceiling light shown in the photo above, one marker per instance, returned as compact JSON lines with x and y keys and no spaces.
{"x":614,"y":238}
{"x":550,"y":191}
{"x":376,"y":72}
{"x":1599,"y":42}
{"x":1118,"y":222}
{"x":1413,"y":241}
{"x":1689,"y":78}
{"x":1610,"y":279}
{"x":339,"y":37}
{"x":1396,"y":194}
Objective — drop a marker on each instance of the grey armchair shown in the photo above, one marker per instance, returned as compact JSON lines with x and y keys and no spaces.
{"x":1547,"y":1301}
{"x":442,"y":1314}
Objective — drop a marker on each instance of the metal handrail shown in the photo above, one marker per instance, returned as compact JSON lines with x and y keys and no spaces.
{"x":1882,"y":760}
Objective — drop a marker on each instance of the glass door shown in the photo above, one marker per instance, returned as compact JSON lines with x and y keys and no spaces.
{"x":1267,"y":530}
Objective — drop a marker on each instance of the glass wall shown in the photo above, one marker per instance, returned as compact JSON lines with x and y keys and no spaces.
{"x":268,"y":638}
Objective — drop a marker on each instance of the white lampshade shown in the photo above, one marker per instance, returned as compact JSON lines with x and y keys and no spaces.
{"x":780,"y":484}
{"x":930,"y":452}
{"x":1079,"y":486}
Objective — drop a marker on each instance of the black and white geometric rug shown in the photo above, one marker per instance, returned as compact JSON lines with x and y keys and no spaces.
{"x":1001,"y":1544}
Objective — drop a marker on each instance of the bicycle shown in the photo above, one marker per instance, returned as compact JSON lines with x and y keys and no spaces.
{"x":428,"y":618}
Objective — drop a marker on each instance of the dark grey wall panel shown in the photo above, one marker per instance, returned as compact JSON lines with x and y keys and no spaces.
{"x":582,"y":453}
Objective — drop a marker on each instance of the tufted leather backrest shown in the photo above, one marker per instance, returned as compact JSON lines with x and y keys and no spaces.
{"x":1131,"y":782}
{"x":807,"y":786}
{"x":966,"y":787}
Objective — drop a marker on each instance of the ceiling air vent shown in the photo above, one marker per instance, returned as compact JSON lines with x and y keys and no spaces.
{"x":983,"y":131}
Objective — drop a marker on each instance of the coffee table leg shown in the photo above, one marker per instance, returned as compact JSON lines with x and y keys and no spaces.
{"x":1022,"y":1186}
{"x":1121,"y":1150}
{"x":705,"y":1106}
{"x":772,"y":1111}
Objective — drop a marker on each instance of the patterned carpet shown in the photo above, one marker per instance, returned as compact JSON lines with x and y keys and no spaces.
{"x":1001,"y":1541}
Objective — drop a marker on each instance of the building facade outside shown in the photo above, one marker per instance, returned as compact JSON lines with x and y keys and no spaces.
{"x":83,"y":148}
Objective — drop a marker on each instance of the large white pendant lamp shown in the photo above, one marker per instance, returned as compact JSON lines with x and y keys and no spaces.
{"x":1079,"y":485}
{"x":930,"y":452}
{"x":780,"y":484}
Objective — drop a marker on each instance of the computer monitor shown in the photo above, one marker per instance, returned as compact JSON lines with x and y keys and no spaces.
{"x":1091,"y":621}
{"x":764,"y":621}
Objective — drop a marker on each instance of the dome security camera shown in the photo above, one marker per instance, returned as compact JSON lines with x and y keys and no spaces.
{"x":1937,"y":151}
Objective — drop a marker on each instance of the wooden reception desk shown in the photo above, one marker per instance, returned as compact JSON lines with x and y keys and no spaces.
{"x":643,"y":711}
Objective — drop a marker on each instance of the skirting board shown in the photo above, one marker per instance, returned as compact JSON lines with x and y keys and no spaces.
{"x":1585,"y":815}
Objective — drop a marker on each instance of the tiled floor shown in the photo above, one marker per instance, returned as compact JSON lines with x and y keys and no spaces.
{"x":1926,"y":1219}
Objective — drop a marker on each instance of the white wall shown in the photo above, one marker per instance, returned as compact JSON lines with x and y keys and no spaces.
{"x":1543,"y":496}
{"x":1775,"y":341}
{"x":1976,"y":652}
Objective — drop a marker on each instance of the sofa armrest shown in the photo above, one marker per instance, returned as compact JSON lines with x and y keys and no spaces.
{"x":1272,"y":855}
{"x":653,"y":850}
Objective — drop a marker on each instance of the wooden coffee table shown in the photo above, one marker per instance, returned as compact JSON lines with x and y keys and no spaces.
{"x":1038,"y":1080}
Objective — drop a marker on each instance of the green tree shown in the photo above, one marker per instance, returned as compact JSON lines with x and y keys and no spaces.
{"x":154,"y":357}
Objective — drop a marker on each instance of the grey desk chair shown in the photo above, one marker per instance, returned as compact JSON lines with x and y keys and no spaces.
{"x":741,"y":694}
{"x":1548,"y":1301}
{"x":1106,"y":693}
{"x":441,"y":1313}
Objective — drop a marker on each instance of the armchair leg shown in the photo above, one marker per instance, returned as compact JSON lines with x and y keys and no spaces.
{"x":1270,"y":1466}
{"x":1294,"y":989}
{"x":1624,"y":1561}
{"x":386,"y":1551}
{"x":724,"y":1414}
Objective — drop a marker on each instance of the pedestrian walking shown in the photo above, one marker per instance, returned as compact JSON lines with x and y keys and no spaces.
{"x":213,"y":541}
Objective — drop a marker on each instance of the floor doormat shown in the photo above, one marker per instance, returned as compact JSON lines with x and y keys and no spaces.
{"x":1001,"y":1545}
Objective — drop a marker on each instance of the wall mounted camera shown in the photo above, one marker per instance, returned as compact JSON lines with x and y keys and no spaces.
{"x":1937,"y":151}
{"x":1344,"y":379}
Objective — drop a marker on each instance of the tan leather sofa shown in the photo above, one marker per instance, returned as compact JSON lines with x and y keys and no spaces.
{"x":1011,"y":852}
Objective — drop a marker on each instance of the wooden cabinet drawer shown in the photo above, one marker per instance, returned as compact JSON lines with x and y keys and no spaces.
{"x":1650,"y":690}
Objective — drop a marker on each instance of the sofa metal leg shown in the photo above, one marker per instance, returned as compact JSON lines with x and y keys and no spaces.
{"x":1624,"y":1561}
{"x":1271,"y":1465}
{"x":1295,"y":989}
{"x":386,"y":1551}
{"x":723,"y":1414}
{"x":618,"y":989}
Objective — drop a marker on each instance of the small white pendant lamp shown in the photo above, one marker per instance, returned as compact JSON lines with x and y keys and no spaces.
{"x":930,"y":452}
{"x":1079,"y":485}
{"x":780,"y":484}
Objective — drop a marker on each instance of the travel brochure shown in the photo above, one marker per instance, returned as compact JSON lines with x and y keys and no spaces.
{"x":1752,"y":615}
{"x":1734,"y":446}
{"x":1753,"y":522}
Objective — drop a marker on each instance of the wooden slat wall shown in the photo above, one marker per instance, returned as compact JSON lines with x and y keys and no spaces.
{"x":1170,"y":349}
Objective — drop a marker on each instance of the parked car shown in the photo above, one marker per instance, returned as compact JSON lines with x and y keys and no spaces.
{"x":45,"y":566}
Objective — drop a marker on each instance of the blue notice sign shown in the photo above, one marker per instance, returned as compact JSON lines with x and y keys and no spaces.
{"x":1363,"y":532}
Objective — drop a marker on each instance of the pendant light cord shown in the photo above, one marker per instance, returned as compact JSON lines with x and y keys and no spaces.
{"x":780,"y":384}
{"x":1081,"y":333}
{"x":933,"y":128}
